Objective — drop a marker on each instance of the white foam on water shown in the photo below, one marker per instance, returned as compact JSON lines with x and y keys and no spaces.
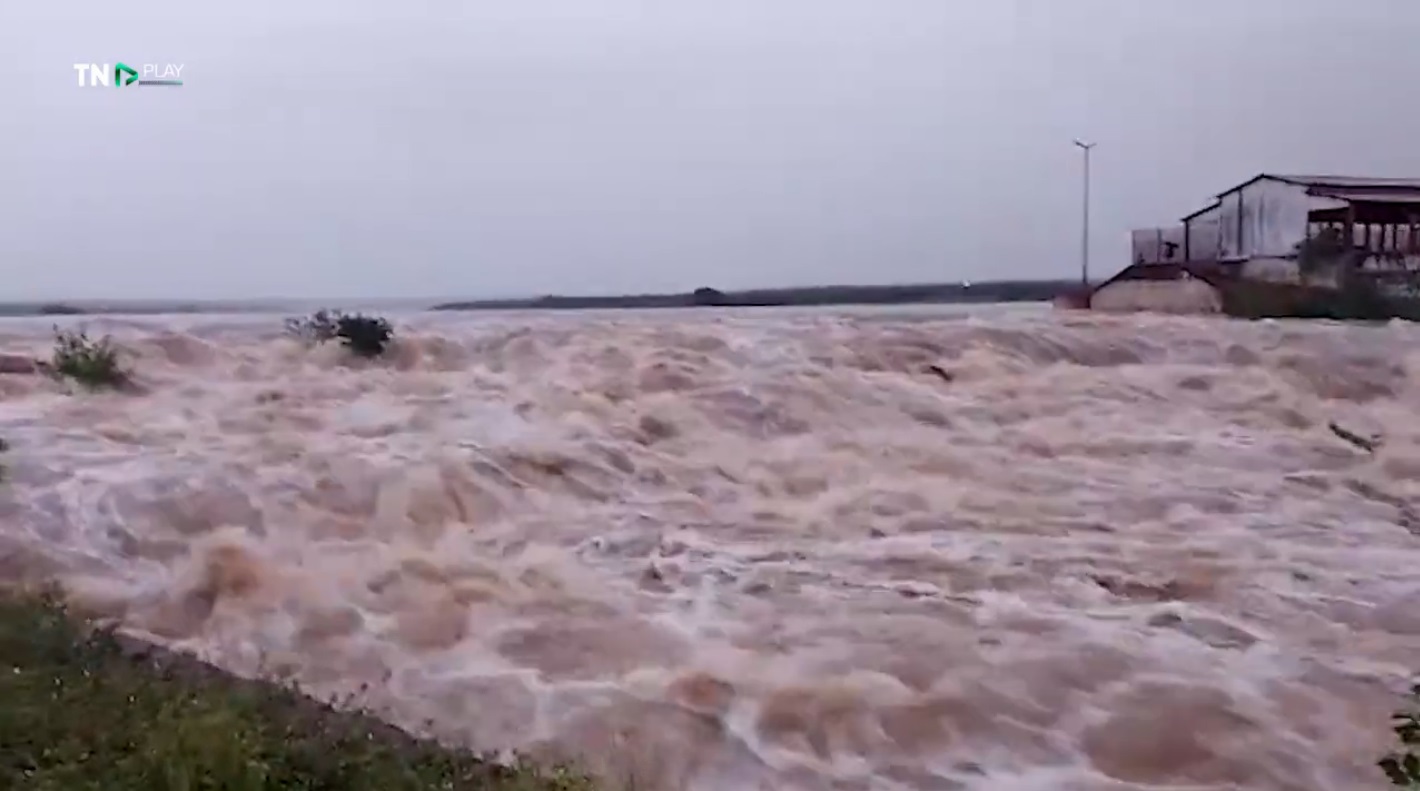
{"x":740,"y":549}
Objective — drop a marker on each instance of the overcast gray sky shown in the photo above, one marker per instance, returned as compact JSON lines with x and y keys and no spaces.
{"x":346,"y":148}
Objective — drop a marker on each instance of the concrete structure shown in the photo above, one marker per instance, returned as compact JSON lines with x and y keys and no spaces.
{"x":1185,"y":296}
{"x":1160,"y":288}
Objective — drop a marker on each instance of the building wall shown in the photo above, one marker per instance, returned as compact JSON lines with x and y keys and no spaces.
{"x":1156,"y":245}
{"x":1265,"y":219}
{"x":1272,"y":270}
{"x":1400,"y":241}
{"x":1189,"y":296}
{"x":1390,"y":263}
{"x":1204,"y":236}
{"x":1394,"y":271}
{"x":1390,"y":253}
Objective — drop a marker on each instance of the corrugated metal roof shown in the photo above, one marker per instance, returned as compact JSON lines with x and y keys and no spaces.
{"x":1401,"y":195}
{"x":1332,"y":182}
{"x":1348,"y":182}
{"x":1210,"y":207}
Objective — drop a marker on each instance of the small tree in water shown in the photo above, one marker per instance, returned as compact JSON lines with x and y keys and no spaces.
{"x":319,"y":327}
{"x":364,"y":336}
{"x":93,"y":364}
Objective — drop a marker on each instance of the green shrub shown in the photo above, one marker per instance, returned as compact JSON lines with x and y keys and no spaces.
{"x":91,"y":363}
{"x":364,"y":336}
{"x":1403,"y":765}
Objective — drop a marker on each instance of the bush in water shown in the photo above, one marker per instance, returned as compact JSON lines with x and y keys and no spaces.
{"x":365,"y":336}
{"x":93,"y":364}
{"x":1403,"y":765}
{"x":319,"y":327}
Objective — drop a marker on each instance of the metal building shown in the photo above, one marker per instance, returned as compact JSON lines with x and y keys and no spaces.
{"x":1265,"y":223}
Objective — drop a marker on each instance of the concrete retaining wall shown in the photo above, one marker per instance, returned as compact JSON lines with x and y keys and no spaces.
{"x":1189,"y":296}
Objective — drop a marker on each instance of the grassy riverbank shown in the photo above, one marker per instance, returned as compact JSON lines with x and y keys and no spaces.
{"x":84,"y":710}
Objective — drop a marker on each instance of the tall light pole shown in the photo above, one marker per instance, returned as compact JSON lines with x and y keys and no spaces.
{"x":1085,"y":230}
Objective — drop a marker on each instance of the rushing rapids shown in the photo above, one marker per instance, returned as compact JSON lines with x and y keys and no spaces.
{"x":709,"y":550}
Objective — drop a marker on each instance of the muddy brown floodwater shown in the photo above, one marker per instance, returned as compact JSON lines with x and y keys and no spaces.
{"x":748,"y":550}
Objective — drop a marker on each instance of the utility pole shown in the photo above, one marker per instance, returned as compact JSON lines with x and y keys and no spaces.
{"x":1085,"y":230}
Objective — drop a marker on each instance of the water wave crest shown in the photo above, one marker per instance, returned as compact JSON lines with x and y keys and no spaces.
{"x":720,"y":550}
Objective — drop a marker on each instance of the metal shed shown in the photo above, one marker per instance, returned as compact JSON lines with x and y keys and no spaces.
{"x":1269,"y":216}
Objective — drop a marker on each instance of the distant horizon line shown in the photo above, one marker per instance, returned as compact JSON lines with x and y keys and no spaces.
{"x":272,"y":300}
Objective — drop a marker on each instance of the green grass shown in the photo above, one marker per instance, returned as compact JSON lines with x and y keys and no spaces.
{"x":81,"y":709}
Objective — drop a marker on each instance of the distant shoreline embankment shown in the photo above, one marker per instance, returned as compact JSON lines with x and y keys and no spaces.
{"x":917,"y":294}
{"x":912,"y":294}
{"x":27,"y":309}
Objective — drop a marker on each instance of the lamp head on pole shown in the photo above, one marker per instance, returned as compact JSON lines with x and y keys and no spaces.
{"x":1084,"y":145}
